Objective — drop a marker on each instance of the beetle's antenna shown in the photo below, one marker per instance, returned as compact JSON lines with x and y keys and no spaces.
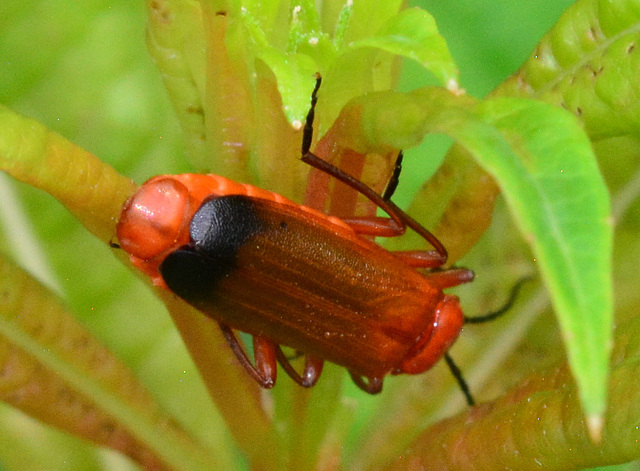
{"x":455,"y":370}
{"x":307,"y":135}
{"x":508,"y":305}
{"x":457,"y":374}
{"x":395,"y":178}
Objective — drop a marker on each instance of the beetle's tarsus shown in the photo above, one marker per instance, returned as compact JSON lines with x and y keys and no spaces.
{"x":312,"y":369}
{"x":370,"y":385}
{"x":266,"y":382}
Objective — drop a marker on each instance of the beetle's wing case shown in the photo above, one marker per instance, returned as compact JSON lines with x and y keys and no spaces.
{"x":299,"y":279}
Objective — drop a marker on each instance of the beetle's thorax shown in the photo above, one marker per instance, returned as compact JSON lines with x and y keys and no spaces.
{"x":154,"y":222}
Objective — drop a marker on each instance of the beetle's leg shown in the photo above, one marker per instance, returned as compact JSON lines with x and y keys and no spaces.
{"x":394,"y":226}
{"x":421,"y":258}
{"x":371,"y":385}
{"x":449,"y":278}
{"x":377,"y":226}
{"x":399,"y":220}
{"x":385,"y":227}
{"x":265,"y":373}
{"x":264,"y":354}
{"x":312,"y":368}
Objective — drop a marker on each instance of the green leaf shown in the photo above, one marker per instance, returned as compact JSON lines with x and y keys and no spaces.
{"x":561,"y":204}
{"x":413,"y":34}
{"x":588,"y":63}
{"x":543,"y":162}
{"x":295,"y":74}
{"x":366,"y":18}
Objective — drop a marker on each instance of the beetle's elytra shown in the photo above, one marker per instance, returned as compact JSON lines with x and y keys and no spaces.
{"x":257,"y":262}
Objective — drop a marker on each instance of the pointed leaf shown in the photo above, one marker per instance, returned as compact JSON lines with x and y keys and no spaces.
{"x":561,"y":203}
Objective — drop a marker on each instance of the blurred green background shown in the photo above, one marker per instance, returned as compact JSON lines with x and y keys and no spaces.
{"x":82,"y":69}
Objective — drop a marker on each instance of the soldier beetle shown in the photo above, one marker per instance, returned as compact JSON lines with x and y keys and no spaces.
{"x":259,"y":263}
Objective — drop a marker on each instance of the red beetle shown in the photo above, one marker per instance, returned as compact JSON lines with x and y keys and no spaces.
{"x":257,"y":262}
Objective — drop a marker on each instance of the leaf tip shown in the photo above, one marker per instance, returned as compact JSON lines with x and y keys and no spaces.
{"x":296,"y":124}
{"x":595,"y":424}
{"x":454,"y":87}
